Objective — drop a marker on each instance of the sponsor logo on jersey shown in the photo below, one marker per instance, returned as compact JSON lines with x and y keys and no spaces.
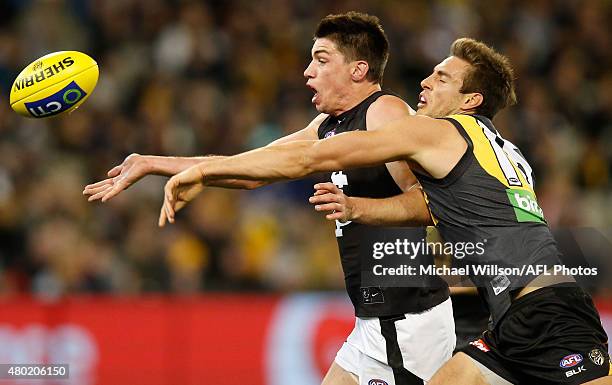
{"x":525,"y":205}
{"x":376,"y":381}
{"x":575,"y":371}
{"x":570,"y":361}
{"x":58,"y":102}
{"x":597,"y":357}
{"x":480,"y":344}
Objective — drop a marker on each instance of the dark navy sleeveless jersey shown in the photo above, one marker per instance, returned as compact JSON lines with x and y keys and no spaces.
{"x":372,"y":182}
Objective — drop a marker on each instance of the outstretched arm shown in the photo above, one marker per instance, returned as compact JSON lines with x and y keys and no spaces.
{"x":289,"y":161}
{"x":433,"y":144}
{"x":301,"y":158}
{"x":279,"y":162}
{"x":137,"y":166}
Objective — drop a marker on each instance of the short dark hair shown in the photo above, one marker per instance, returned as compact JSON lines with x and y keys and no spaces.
{"x":490,"y":75}
{"x":358,"y":36}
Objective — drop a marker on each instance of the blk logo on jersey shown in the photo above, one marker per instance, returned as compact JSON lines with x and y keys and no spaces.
{"x":570,"y":360}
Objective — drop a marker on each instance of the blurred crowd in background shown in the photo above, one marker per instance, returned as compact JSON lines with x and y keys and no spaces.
{"x":220,"y":77}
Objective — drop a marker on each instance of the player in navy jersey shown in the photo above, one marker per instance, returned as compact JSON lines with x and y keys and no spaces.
{"x":544,"y":328}
{"x":402,"y":335}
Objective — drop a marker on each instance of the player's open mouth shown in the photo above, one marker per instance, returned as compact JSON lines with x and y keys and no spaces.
{"x":316,"y":93}
{"x":422,"y":101}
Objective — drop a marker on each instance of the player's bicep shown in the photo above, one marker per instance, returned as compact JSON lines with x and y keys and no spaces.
{"x":360,"y":148}
{"x":307,"y":133}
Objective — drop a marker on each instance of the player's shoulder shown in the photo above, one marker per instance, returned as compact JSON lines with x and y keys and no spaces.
{"x":314,"y":125}
{"x":386,"y":109}
{"x":316,"y":122}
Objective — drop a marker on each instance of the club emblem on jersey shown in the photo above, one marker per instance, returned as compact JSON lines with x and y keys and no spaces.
{"x":597,"y":357}
{"x":376,"y":381}
{"x":570,"y":360}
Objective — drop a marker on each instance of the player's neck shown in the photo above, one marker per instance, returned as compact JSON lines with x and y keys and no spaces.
{"x":357,"y":95}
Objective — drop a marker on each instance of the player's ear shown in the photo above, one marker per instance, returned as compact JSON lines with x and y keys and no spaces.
{"x":472,"y":101}
{"x":360,"y":70}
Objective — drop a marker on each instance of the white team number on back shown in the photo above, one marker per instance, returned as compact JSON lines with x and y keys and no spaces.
{"x":509,"y":158}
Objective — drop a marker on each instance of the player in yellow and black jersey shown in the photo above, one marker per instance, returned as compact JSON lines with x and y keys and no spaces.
{"x":479,"y":188}
{"x":488,"y":198}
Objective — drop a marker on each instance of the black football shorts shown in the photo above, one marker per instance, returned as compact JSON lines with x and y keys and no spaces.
{"x":550,"y":336}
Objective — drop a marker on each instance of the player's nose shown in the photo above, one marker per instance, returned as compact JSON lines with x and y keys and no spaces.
{"x":309,"y":71}
{"x":425,"y":83}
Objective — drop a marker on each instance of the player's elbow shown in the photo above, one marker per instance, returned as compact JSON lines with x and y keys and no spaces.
{"x":419,"y":220}
{"x":254,"y":184}
{"x":308,"y":159}
{"x":306,"y":163}
{"x":315,"y":158}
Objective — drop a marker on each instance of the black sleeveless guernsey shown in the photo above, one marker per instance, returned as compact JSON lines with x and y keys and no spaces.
{"x":373,"y":182}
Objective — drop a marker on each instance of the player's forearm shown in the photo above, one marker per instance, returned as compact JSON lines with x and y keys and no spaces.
{"x":271,"y":163}
{"x":407,"y":209}
{"x":301,"y":158}
{"x":171,"y":165}
{"x":240,"y":184}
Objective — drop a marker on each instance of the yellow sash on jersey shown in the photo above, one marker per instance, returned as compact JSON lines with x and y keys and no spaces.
{"x":490,"y":155}
{"x":483,"y":151}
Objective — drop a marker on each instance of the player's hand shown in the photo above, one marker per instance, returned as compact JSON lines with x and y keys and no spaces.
{"x":179,"y":191}
{"x":130,"y":171}
{"x":328,"y":197}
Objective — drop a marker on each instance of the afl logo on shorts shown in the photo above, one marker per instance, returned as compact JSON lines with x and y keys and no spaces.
{"x":570,"y":361}
{"x":376,"y":381}
{"x":597,"y":357}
